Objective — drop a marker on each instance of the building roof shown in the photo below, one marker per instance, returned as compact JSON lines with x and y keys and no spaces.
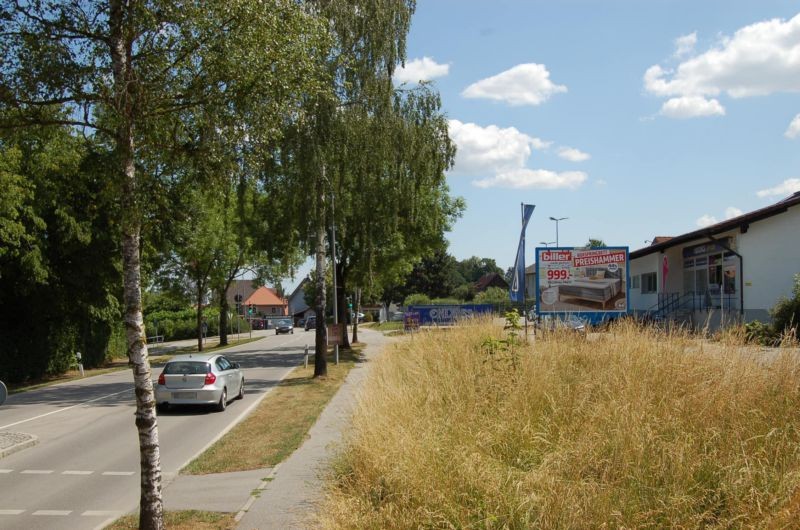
{"x":265,"y":296}
{"x":491,"y":279}
{"x":660,"y":239}
{"x":742,"y":222}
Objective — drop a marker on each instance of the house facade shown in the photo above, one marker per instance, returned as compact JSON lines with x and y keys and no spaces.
{"x":733,"y":270}
{"x":238,"y":292}
{"x":265,"y":302}
{"x":298,"y":308}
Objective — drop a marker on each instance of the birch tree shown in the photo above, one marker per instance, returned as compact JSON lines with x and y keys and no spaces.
{"x":125,"y":70}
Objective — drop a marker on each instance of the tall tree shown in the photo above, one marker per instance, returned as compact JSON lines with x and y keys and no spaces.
{"x":128,"y":70}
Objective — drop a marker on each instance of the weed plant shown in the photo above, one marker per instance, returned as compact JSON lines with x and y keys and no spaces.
{"x":634,"y":428}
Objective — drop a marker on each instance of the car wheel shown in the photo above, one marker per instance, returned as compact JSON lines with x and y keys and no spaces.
{"x":162,"y":407}
{"x":241,"y":390}
{"x":223,"y":400}
{"x":292,"y":332}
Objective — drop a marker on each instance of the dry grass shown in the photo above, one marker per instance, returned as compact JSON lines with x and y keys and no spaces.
{"x":279,"y":424}
{"x":182,"y":520}
{"x":636,"y":429}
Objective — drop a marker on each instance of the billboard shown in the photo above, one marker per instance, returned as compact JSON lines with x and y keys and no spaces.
{"x":448,"y":314}
{"x":579,"y":280}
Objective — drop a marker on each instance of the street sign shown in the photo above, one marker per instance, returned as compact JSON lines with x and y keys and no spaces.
{"x":3,"y":392}
{"x":334,"y":334}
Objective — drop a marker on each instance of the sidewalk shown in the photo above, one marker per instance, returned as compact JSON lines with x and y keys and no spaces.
{"x":283,"y":497}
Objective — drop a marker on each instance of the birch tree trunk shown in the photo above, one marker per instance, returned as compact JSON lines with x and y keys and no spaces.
{"x":150,"y":503}
{"x":355,"y":317}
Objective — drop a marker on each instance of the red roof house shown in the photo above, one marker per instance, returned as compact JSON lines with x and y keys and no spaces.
{"x":266,"y":302}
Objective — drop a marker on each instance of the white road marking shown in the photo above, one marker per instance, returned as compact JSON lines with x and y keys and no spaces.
{"x":72,"y":472}
{"x":3,"y":471}
{"x":52,"y":512}
{"x":36,"y":471}
{"x":118,"y":473}
{"x":64,"y":409}
{"x":11,"y":512}
{"x":101,"y":513}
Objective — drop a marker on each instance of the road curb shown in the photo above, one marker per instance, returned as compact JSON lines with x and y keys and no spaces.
{"x":11,"y":442}
{"x":257,"y":494}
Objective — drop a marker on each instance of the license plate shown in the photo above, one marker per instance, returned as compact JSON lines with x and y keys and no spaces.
{"x":184,"y":395}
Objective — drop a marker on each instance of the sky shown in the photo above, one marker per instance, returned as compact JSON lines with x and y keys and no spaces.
{"x":631,"y":118}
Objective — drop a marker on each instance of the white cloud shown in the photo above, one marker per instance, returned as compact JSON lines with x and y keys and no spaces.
{"x":572,"y":154}
{"x":684,"y":45}
{"x":732,"y":211}
{"x":600,"y":183}
{"x":534,"y":178}
{"x":418,"y":70}
{"x":787,"y":187}
{"x":794,"y":128}
{"x":706,"y":220}
{"x":524,"y":84}
{"x":691,"y":107}
{"x":491,"y":149}
{"x":502,"y":154}
{"x":759,"y":59}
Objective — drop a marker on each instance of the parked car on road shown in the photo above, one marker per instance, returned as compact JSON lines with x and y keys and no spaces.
{"x":284,"y":326}
{"x":199,"y":380}
{"x":311,"y":323}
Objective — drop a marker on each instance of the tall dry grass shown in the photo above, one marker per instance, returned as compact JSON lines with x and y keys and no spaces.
{"x":636,"y":429}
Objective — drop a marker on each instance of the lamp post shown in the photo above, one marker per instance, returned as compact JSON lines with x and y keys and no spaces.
{"x":547,"y":243}
{"x":557,"y":220}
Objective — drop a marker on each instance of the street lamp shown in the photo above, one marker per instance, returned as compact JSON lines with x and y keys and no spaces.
{"x":547,"y":243}
{"x":557,"y":220}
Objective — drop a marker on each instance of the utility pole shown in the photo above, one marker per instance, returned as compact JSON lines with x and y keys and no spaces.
{"x":335,"y":291}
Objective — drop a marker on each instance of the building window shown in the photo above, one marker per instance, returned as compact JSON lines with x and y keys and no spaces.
{"x":649,"y":283}
{"x":636,"y":281}
{"x":273,"y":311}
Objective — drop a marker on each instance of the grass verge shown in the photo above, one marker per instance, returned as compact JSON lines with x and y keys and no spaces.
{"x":637,"y":429}
{"x":385,"y":326}
{"x":182,"y":520}
{"x":279,"y":424}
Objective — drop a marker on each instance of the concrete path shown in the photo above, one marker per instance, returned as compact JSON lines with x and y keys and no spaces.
{"x":288,"y":499}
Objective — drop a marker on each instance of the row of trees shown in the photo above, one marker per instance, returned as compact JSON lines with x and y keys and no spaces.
{"x":152,"y":142}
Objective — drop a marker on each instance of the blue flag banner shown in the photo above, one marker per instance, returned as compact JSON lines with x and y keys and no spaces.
{"x":517,"y":290}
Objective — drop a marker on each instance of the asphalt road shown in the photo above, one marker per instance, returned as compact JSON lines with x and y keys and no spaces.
{"x":85,"y":470}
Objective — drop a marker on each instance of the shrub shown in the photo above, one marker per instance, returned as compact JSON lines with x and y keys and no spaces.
{"x":786,"y":313}
{"x":416,"y":299}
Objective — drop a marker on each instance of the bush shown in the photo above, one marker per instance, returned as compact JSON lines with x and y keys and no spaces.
{"x":760,"y":333}
{"x":492,"y":295}
{"x":786,"y":313}
{"x":416,"y":299}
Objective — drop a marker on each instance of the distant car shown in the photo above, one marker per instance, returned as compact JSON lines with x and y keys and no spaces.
{"x":396,"y":317}
{"x":311,"y":323}
{"x":199,"y":380}
{"x":284,"y":326}
{"x":354,"y":314}
{"x":560,"y":322}
{"x":301,"y":322}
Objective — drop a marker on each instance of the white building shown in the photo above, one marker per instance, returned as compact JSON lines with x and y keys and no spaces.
{"x":738,"y":268}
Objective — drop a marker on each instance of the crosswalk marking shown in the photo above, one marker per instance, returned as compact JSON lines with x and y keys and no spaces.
{"x":11,"y":512}
{"x":73,"y":472}
{"x":2,"y":471}
{"x":101,"y":513}
{"x":118,"y":473}
{"x":36,"y":471}
{"x":52,"y":512}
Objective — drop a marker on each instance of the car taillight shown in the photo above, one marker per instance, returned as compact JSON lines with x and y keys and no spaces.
{"x":210,"y":378}
{"x":161,"y":380}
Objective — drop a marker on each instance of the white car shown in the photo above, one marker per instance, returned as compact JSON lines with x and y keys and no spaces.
{"x":199,"y":380}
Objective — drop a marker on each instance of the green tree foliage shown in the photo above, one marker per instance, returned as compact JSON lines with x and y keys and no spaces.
{"x":59,"y":264}
{"x":595,"y":243}
{"x":492,"y":295}
{"x":474,"y":268}
{"x":786,"y":313}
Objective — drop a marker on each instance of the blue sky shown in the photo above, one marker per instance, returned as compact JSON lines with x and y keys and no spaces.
{"x":632,"y":118}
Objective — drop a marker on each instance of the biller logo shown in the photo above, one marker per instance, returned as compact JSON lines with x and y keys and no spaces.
{"x":557,"y":255}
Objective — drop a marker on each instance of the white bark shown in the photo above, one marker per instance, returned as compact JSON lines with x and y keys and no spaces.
{"x":150,"y":504}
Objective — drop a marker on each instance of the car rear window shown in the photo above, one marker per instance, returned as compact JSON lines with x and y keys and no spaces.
{"x":186,"y":367}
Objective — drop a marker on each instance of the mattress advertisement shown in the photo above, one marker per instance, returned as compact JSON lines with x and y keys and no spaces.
{"x":581,"y":280}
